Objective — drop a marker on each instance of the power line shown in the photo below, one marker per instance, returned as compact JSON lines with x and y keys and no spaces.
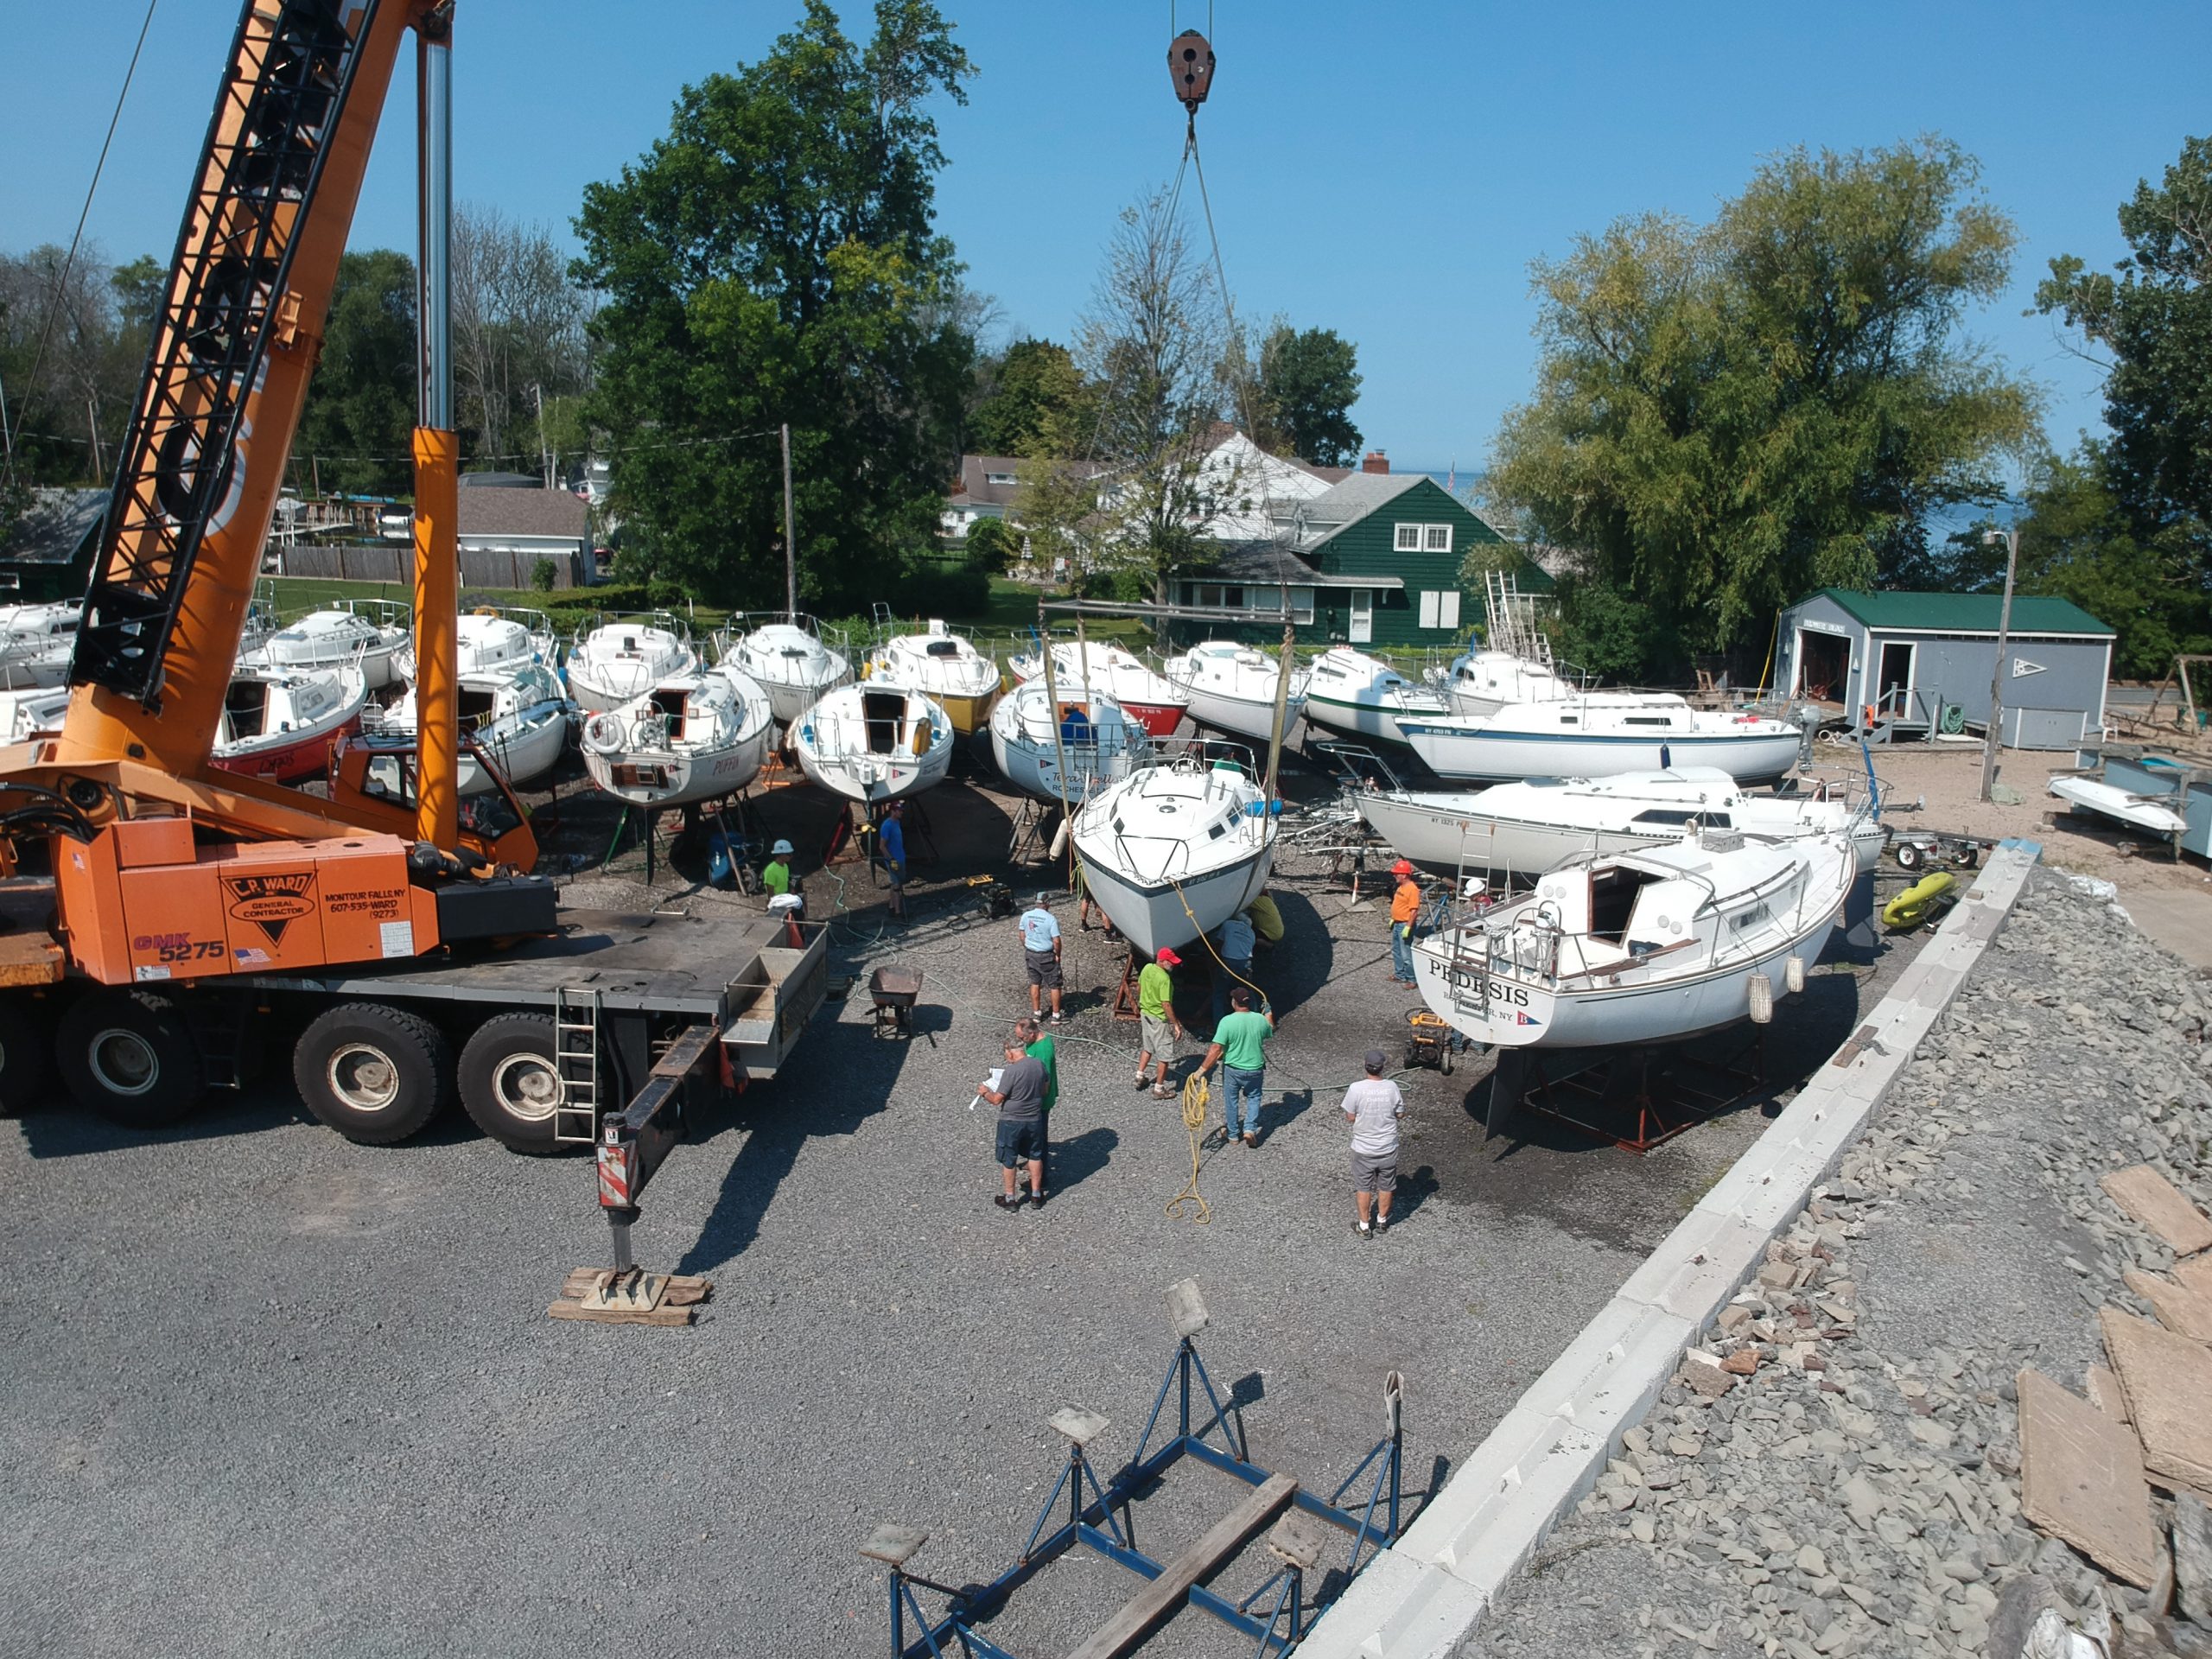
{"x":54,"y":306}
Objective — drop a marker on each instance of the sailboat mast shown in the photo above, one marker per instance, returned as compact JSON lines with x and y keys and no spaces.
{"x":791,"y":542}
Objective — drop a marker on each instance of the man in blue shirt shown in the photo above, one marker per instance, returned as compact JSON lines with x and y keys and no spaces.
{"x":1040,"y":954}
{"x":891,"y":842}
{"x":1233,"y":939}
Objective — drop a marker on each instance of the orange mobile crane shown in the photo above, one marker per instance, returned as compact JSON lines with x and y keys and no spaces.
{"x":159,"y":917}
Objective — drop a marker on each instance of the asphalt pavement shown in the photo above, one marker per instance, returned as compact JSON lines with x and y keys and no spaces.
{"x":270,"y":1393}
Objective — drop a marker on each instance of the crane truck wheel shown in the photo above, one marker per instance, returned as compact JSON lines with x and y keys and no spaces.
{"x":375,"y":1074}
{"x":509,"y":1083}
{"x":129,"y":1057}
{"x":26,"y":1061}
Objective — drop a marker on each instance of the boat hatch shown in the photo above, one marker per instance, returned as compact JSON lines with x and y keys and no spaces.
{"x":477,"y":707}
{"x":245,"y":709}
{"x":945,"y":648}
{"x":884,"y":714}
{"x":1665,"y":910}
{"x":1613,"y":893}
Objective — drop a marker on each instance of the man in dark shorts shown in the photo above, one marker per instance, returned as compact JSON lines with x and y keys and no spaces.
{"x":891,"y":842}
{"x":1020,"y":1100}
{"x":1040,"y":954}
{"x":1373,"y":1106}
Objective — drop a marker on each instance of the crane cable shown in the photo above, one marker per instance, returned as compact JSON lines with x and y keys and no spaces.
{"x":46,"y":334}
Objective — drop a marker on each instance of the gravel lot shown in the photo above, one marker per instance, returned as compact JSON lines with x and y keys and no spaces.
{"x":272,"y":1394}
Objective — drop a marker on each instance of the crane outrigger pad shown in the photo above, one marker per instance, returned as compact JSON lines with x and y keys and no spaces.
{"x":604,"y":1296}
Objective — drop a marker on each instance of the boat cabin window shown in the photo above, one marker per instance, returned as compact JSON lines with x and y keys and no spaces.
{"x":943,"y":648}
{"x":1645,"y":720}
{"x":1670,"y":815}
{"x":1613,"y":891}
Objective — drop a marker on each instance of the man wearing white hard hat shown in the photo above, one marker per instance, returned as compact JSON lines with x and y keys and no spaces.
{"x":776,"y":874}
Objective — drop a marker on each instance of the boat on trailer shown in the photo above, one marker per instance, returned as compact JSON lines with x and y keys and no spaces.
{"x":1177,"y":848}
{"x":1359,"y":695}
{"x":279,"y":723}
{"x":1615,"y":949}
{"x":1525,"y":829}
{"x":945,"y":667}
{"x":2149,"y":813}
{"x":1232,"y":688}
{"x":622,"y":658}
{"x":1097,"y":742}
{"x":1094,"y":666}
{"x":518,"y":717}
{"x":1599,"y":733}
{"x":789,"y":660}
{"x":692,"y":737}
{"x":874,"y":741}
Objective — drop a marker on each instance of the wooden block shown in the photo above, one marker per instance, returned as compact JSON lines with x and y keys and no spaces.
{"x":2081,"y":1480}
{"x":29,"y":959}
{"x":666,"y":1313}
{"x":1157,"y":1602}
{"x":2168,"y":1382}
{"x":2105,"y":1393}
{"x":684,"y":1289}
{"x":2178,"y":1309}
{"x":2155,"y":1202}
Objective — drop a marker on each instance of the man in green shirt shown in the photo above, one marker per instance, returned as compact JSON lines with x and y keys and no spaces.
{"x":1043,"y":1050}
{"x":1240,"y":1047}
{"x":1156,"y":1014}
{"x":776,"y":874}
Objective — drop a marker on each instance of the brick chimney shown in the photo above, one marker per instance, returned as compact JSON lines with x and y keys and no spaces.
{"x":1376,"y":461}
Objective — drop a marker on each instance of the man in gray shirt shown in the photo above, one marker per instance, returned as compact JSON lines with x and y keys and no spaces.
{"x":1020,"y":1100}
{"x":1373,"y":1107}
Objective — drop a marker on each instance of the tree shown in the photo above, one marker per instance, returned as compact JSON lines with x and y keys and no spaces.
{"x":70,"y":361}
{"x":1156,"y":341}
{"x":518,"y":340}
{"x":1309,"y":379}
{"x":2145,"y":496}
{"x":2079,"y":541}
{"x":992,"y":544}
{"x":1034,"y":403}
{"x":773,"y":259}
{"x":1728,"y":416}
{"x":357,"y":429}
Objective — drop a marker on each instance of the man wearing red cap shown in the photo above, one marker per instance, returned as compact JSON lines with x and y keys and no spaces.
{"x":1405,"y":910}
{"x":1156,"y":1013}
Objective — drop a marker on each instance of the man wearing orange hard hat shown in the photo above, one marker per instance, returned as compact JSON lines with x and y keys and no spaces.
{"x":1405,"y":910}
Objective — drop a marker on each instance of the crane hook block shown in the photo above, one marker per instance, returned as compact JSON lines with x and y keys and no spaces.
{"x":1189,"y":61}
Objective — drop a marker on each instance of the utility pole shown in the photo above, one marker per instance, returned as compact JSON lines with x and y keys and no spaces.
{"x":790,"y":544}
{"x":544,"y":447}
{"x":2012,"y":540}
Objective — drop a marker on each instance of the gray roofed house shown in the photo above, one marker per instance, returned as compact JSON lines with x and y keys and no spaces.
{"x":47,"y":553}
{"x":508,"y":530}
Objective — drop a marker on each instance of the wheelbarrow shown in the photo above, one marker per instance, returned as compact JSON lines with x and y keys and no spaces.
{"x":894,"y":990}
{"x":1431,"y":1040}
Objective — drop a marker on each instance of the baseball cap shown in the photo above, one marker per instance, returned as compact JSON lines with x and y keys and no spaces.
{"x":1376,"y":1059}
{"x":781,"y":846}
{"x":1167,"y":958}
{"x":1401,"y":867}
{"x":1044,"y":900}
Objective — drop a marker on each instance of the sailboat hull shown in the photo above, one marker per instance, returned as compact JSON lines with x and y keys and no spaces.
{"x":1159,"y":916}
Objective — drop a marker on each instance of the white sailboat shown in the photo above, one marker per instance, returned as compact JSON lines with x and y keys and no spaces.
{"x":1098,"y":742}
{"x":1483,"y":682}
{"x":1644,"y":947}
{"x":279,"y":723}
{"x":945,"y":667}
{"x":1232,"y":688}
{"x":519,"y":716}
{"x":789,"y":660}
{"x":626,"y":657}
{"x":1525,"y":829}
{"x":1599,"y":733}
{"x":1359,"y":695}
{"x":37,"y":642}
{"x":874,"y":741}
{"x":491,"y":642}
{"x":1100,"y":666}
{"x":1176,"y":848}
{"x":693,"y":736}
{"x":340,"y":635}
{"x":32,"y":711}
{"x":2151,"y":813}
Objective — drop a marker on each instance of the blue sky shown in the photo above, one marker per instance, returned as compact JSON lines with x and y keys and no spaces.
{"x":1386,"y":170}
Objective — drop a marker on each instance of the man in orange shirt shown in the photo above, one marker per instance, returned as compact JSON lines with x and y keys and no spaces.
{"x":1405,"y":910}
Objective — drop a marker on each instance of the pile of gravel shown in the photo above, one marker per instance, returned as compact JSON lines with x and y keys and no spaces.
{"x":1835,"y":1469}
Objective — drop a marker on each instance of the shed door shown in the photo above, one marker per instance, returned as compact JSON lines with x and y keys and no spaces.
{"x":1893,"y":688}
{"x":1363,"y":615}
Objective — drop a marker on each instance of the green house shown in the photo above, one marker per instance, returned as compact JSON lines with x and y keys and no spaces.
{"x":1374,"y":561}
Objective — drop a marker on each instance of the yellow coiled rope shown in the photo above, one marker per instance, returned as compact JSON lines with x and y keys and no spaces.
{"x":1198,"y":1101}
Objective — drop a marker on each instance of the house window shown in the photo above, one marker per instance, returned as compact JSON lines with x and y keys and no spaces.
{"x":1209,"y":595}
{"x":1301,"y":604}
{"x":1439,"y":608}
{"x":1233,"y":598}
{"x":1422,"y":538}
{"x":1439,"y":538}
{"x":1407,"y":539}
{"x":998,"y":478}
{"x":1428,"y":608}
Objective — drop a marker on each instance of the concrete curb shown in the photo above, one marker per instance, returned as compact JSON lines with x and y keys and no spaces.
{"x":1421,"y":1596}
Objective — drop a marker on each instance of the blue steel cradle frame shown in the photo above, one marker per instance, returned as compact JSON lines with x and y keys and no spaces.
{"x":1098,"y":1516}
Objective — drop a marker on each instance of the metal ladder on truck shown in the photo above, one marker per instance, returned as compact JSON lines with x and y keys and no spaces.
{"x":575,"y":1063}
